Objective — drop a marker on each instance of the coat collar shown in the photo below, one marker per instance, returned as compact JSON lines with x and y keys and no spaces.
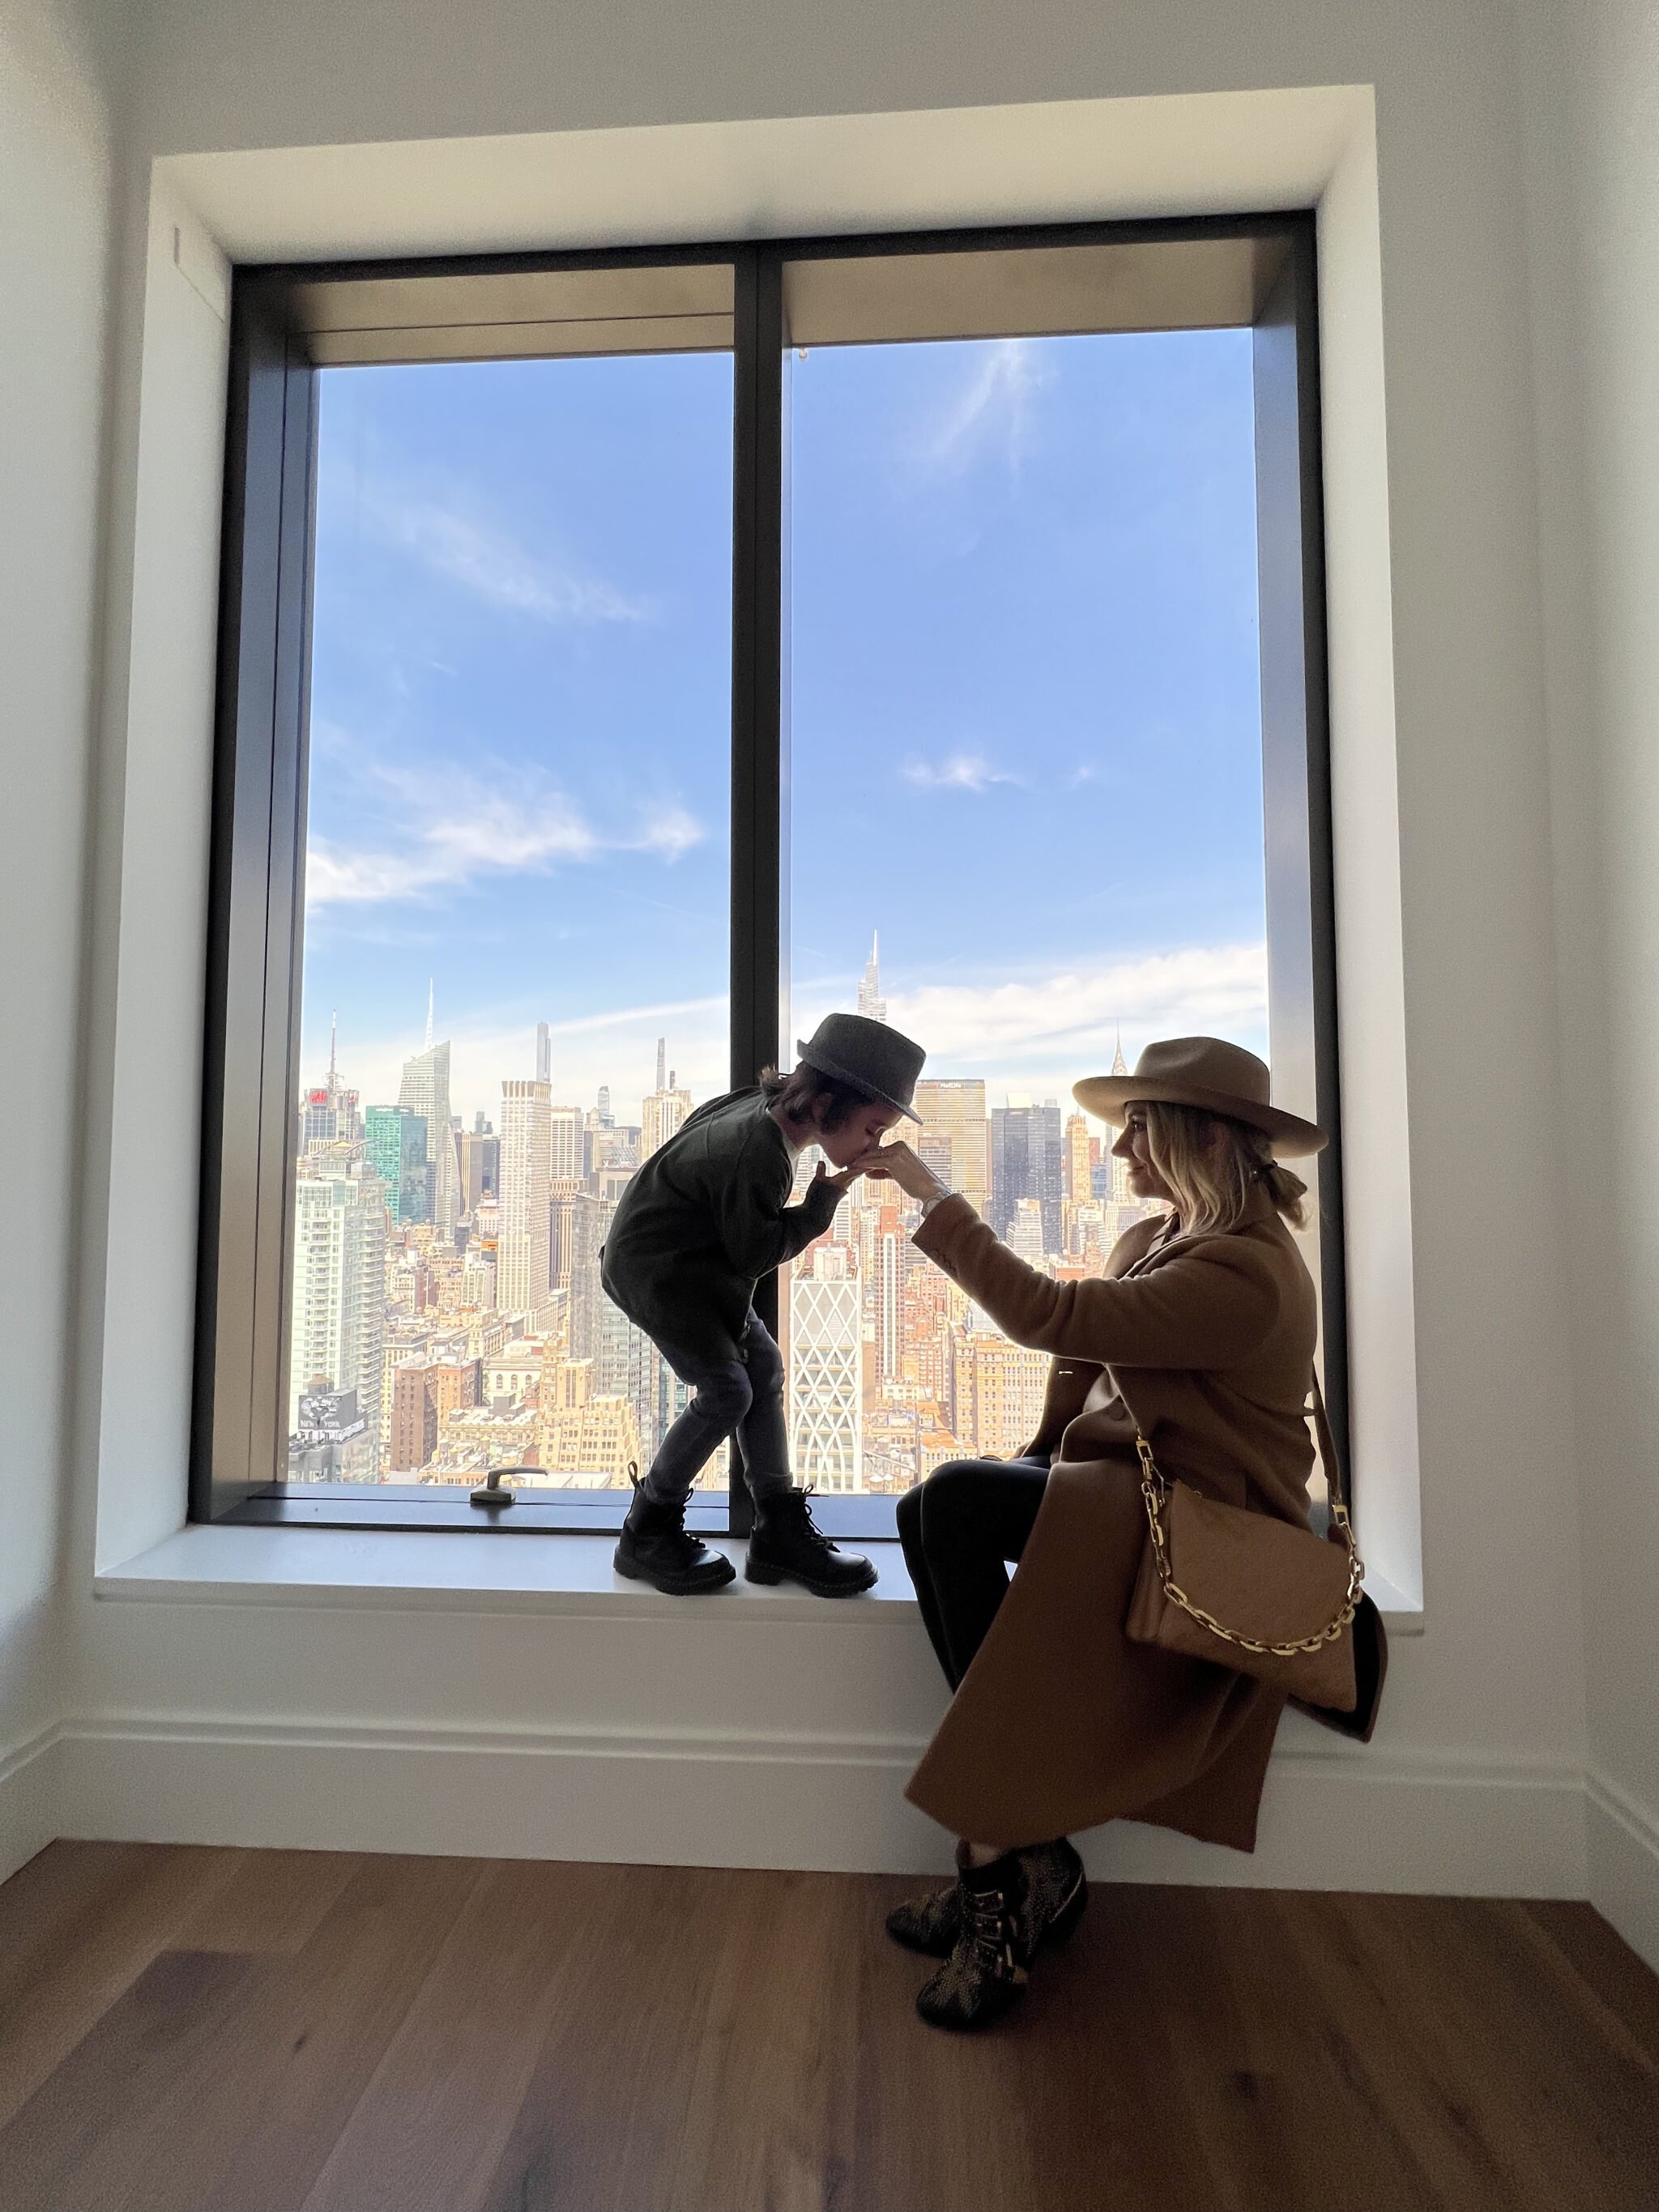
{"x":1258,"y":1208}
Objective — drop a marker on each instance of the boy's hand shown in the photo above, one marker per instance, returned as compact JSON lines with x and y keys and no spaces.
{"x":844,"y":1180}
{"x":910,"y":1172}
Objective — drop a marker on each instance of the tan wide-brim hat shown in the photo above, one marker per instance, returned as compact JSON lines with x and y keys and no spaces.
{"x":1205,"y":1072}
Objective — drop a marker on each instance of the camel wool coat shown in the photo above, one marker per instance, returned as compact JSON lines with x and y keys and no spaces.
{"x":1061,"y":1723}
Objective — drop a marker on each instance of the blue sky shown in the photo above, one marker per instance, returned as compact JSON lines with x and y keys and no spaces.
{"x":1024,"y":708}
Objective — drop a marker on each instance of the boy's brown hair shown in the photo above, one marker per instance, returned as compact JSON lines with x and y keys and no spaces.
{"x":798,"y":1094}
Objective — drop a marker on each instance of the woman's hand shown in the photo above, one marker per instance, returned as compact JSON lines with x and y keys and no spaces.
{"x":911,"y":1173}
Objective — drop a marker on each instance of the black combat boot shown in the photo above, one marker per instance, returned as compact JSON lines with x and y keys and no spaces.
{"x":787,"y":1543}
{"x":985,"y":1974}
{"x":655,"y":1548}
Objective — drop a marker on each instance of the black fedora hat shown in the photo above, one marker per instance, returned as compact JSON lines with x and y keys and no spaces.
{"x":867,"y":1055}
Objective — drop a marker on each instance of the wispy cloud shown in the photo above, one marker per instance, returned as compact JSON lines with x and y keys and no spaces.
{"x":990,"y":413}
{"x":445,"y":531}
{"x":1200,"y":989}
{"x":442,"y":833}
{"x":959,"y":772}
{"x":1052,"y":1026}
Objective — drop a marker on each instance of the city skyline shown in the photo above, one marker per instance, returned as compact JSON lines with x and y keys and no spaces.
{"x":428,"y":1349}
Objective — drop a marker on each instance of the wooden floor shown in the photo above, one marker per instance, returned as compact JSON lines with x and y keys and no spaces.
{"x":257,"y":2031}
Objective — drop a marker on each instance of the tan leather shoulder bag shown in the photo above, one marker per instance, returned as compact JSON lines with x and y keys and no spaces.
{"x":1247,"y":1590}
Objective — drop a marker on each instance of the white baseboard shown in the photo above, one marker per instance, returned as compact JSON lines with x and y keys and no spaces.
{"x":30,"y":1780}
{"x":1624,"y":1865}
{"x":1365,"y":1821}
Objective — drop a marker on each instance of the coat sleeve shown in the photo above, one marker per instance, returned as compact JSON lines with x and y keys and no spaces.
{"x":757,"y":1230}
{"x":1209,"y":1305}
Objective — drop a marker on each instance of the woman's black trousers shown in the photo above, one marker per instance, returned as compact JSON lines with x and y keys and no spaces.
{"x":959,"y":1528}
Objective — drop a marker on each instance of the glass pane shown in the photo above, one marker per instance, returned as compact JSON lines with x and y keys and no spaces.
{"x":1026,"y":814}
{"x":517,"y":866}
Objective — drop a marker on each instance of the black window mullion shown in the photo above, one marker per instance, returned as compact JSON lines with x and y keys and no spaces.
{"x":758,"y":623}
{"x":254,"y":948}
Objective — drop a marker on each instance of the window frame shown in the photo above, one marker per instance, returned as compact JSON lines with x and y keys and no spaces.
{"x":255,"y":946}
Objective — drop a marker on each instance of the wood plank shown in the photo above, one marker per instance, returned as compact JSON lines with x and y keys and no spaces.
{"x":1519,"y":2063}
{"x":271,"y":2108}
{"x":94,"y":1917}
{"x":270,"y":1901}
{"x":222,"y":2080}
{"x":1622,"y":1989}
{"x":608,"y":2103}
{"x":104,"y":2118}
{"x":771,"y":2091}
{"x":463,"y":2055}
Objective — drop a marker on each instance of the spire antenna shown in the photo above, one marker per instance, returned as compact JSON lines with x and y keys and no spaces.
{"x":431,"y":995}
{"x":333,"y":1039}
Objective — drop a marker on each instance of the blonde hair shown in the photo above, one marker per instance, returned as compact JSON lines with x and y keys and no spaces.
{"x":1212,"y":1182}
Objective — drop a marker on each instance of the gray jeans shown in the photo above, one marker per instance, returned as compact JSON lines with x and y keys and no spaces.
{"x":733,"y":1397}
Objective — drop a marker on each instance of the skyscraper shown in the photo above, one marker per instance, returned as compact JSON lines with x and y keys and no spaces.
{"x":395,"y":1149}
{"x":826,"y":1400}
{"x":425,"y":1090}
{"x":328,"y":1112}
{"x":1027,"y":1161}
{"x":953,"y":1118}
{"x":566,"y":1154}
{"x":589,"y":1224}
{"x":337,"y":1315}
{"x":664,"y":1110}
{"x":481,"y":1168}
{"x":522,"y":1256}
{"x":872,"y":1004}
{"x":1079,"y":1188}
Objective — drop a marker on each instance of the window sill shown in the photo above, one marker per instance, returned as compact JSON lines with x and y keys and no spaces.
{"x":462,"y":1571}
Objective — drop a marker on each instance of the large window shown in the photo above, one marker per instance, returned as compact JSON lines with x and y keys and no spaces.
{"x":627,"y":659}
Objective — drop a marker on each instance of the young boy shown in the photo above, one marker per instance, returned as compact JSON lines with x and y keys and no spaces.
{"x":704,"y":1217}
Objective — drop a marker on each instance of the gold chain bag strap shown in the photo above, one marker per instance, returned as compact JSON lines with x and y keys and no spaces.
{"x":1247,"y":1590}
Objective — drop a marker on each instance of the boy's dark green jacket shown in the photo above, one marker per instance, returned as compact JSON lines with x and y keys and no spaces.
{"x":702,"y":1219}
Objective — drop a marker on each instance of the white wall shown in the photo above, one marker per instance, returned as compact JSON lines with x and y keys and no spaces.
{"x":1593,"y":91}
{"x":1475,"y":1771}
{"x":53,"y":247}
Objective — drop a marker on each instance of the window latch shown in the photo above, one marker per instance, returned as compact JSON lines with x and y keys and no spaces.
{"x":490,"y":1493}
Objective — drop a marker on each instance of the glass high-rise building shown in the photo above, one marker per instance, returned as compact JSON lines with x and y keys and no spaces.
{"x":395,"y":1148}
{"x":1028,"y":1160}
{"x":425,"y":1090}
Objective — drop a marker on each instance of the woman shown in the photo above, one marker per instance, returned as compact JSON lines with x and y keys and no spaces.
{"x":1205,"y":1325}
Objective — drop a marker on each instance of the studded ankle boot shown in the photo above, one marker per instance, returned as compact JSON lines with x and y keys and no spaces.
{"x":1056,"y":1891}
{"x":985,"y":1974}
{"x":930,"y":1925}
